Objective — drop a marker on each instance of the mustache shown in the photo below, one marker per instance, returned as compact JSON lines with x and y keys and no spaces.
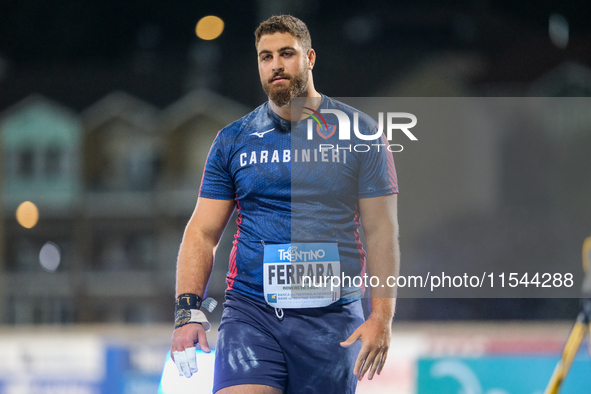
{"x":279,"y":74}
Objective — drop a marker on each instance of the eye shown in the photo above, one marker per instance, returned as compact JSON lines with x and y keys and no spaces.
{"x":266,"y":57}
{"x":287,"y":54}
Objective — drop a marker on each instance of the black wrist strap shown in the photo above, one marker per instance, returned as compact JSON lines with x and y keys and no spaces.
{"x":182,"y":308}
{"x":188,"y":301}
{"x":187,"y":310}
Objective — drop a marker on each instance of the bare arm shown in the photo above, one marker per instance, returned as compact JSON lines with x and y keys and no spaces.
{"x":195,"y":262}
{"x":202,"y":235}
{"x":380,"y":224}
{"x":379,"y":217}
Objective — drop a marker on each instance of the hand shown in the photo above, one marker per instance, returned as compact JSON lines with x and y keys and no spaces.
{"x":375,"y":338}
{"x":182,"y":351}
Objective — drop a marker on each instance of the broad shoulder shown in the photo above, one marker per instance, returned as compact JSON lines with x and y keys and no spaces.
{"x":249,"y":123}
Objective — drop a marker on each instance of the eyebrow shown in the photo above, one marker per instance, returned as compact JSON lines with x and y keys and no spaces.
{"x":265,"y":51}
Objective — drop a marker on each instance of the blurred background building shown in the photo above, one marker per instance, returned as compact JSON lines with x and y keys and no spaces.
{"x":114,"y":186}
{"x":108,"y":109}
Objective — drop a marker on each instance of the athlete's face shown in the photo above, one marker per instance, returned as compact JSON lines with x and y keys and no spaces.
{"x":283,"y":67}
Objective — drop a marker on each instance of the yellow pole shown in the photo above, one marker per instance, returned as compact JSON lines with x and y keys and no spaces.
{"x":568,"y":355}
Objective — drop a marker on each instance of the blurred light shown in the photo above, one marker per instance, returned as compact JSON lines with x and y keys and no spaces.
{"x":200,"y":383}
{"x":558,"y":30}
{"x":27,"y":214}
{"x":209,"y":27}
{"x":50,"y":256}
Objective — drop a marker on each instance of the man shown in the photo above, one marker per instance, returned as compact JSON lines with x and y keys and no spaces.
{"x":261,"y":166}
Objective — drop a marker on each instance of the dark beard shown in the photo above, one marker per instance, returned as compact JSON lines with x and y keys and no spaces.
{"x":282,"y":96}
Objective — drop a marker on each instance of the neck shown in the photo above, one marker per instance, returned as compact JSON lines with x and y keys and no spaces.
{"x":285,"y":112}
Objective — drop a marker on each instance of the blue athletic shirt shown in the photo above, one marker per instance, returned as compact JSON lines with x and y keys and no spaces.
{"x":288,"y":190}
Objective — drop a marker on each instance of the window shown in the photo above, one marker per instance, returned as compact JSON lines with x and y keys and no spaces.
{"x":53,"y":162}
{"x":25,"y":165}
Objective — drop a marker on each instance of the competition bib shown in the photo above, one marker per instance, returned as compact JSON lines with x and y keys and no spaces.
{"x":298,"y":275}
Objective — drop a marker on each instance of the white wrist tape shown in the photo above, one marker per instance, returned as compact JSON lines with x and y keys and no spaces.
{"x":199,"y":317}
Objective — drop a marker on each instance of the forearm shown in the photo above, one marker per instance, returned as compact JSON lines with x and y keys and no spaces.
{"x":383,"y":261}
{"x":380,"y":224}
{"x":195,"y":262}
{"x":201,"y":237}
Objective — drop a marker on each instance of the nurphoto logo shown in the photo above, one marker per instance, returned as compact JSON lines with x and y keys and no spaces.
{"x":326,"y":131}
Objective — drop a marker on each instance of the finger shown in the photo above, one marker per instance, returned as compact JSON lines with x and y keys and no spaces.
{"x":376,"y":363}
{"x":383,"y":362}
{"x":368,"y":363}
{"x":183,"y":363}
{"x":177,"y":362}
{"x":191,"y":359}
{"x":203,"y":341}
{"x":360,"y":360}
{"x":351,"y":340}
{"x":356,"y":373}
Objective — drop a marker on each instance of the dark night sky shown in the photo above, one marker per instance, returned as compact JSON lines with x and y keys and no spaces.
{"x":77,"y":51}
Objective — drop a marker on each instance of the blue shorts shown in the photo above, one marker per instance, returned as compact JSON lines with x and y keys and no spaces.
{"x":299,"y":353}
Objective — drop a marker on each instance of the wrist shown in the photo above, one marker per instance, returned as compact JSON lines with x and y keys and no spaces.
{"x":187,"y":310}
{"x":382,"y":317}
{"x":184,"y":309}
{"x":188,"y":301}
{"x":382,"y":309}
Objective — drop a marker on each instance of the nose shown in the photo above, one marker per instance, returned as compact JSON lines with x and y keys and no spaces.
{"x":277,"y":64}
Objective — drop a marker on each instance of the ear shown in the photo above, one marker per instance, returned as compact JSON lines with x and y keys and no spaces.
{"x":311,"y":58}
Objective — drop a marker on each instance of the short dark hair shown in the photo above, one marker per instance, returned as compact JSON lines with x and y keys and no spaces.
{"x":285,"y":24}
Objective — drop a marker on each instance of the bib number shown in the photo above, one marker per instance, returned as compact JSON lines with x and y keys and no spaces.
{"x":299,"y":275}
